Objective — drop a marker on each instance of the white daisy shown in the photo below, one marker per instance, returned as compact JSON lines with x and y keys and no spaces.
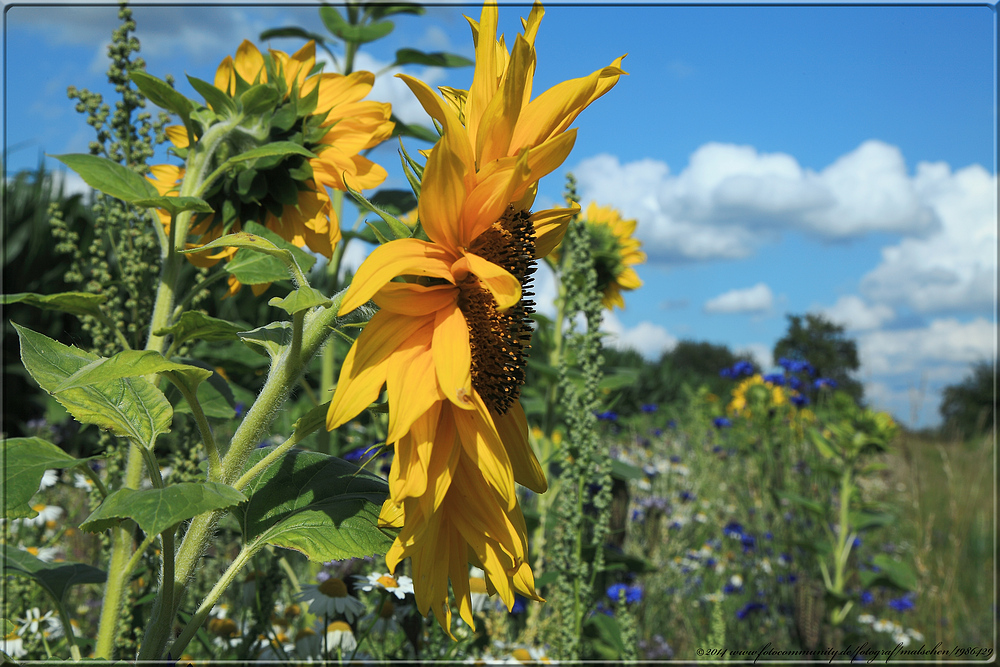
{"x":308,"y":644}
{"x":49,"y":479}
{"x":883,"y":625}
{"x":32,"y":621}
{"x":331,"y":598}
{"x":398,"y":586}
{"x":81,"y":481}
{"x":340,"y":636}
{"x":13,"y":645}
{"x":46,"y":513}
{"x":44,"y":554}
{"x":902,"y":638}
{"x":867,"y":619}
{"x":915,"y":635}
{"x":386,"y":620}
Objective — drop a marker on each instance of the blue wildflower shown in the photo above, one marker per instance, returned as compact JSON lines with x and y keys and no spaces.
{"x":672,"y":423}
{"x":722,"y":422}
{"x":518,"y":607}
{"x":687,"y":496}
{"x":749,"y":608}
{"x":857,"y":542}
{"x":356,"y":454}
{"x":240,"y":408}
{"x":768,"y":535}
{"x":777,"y":379}
{"x":904,"y":603}
{"x":607,"y":416}
{"x":675,"y":459}
{"x":726,"y":373}
{"x":649,"y":407}
{"x":800,"y":400}
{"x":749,"y":542}
{"x":867,"y":598}
{"x":633,"y":594}
{"x":615,"y":591}
{"x":733,"y":529}
{"x":820,"y":383}
{"x":794,"y":383}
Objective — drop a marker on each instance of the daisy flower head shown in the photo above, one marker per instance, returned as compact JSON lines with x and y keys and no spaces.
{"x":450,"y":339}
{"x":398,"y":586}
{"x":46,"y":515}
{"x":340,"y":636}
{"x":283,"y":98}
{"x":330,"y":598}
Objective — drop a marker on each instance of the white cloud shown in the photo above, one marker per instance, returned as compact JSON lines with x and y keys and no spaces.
{"x":756,"y":299}
{"x":760,"y":353}
{"x":648,"y":339}
{"x":954,"y":268}
{"x":730,"y":198}
{"x":856,"y":315}
{"x":942,"y":342}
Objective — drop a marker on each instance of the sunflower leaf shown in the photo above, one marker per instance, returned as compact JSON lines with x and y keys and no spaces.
{"x":155,"y":510}
{"x":193,"y":324}
{"x":274,"y":149}
{"x":130,"y":364}
{"x":163,"y":95}
{"x":215,"y":396}
{"x":175,"y":205}
{"x":129,"y":407}
{"x":219,"y":101}
{"x":109,"y":177}
{"x":319,"y":505}
{"x":291,"y":32}
{"x":380,"y":11}
{"x":55,"y":578}
{"x":269,"y":340}
{"x":258,"y":98}
{"x":398,"y":229}
{"x":396,"y":202}
{"x":74,"y":303}
{"x":436,"y":59}
{"x":25,"y":460}
{"x":350,"y":32}
{"x":301,"y":299}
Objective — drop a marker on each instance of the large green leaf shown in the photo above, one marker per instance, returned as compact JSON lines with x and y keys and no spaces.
{"x":75,"y":303}
{"x":301,"y":299}
{"x":155,"y":510}
{"x":890,"y":573}
{"x":194,"y":325}
{"x":263,"y":256}
{"x":215,"y":396}
{"x":25,"y":460}
{"x":109,"y":177}
{"x":163,"y":95}
{"x":130,"y":407}
{"x":220,"y":102}
{"x":174,"y":205}
{"x":276,"y":148}
{"x":55,"y":578}
{"x":320,"y":505}
{"x":437,"y":59}
{"x":130,"y":364}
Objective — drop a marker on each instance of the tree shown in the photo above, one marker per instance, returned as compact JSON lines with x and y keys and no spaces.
{"x":969,"y":407}
{"x":823,"y":344}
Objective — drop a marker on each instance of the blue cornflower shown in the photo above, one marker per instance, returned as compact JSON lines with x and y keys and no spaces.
{"x":710,"y":562}
{"x":867,"y":598}
{"x":742,"y":368}
{"x":726,"y":373}
{"x":240,"y":408}
{"x":722,"y":422}
{"x":356,"y":454}
{"x":649,"y":407}
{"x":794,"y":383}
{"x":800,"y":400}
{"x":904,"y":603}
{"x":768,"y":535}
{"x":615,"y":591}
{"x":672,"y":423}
{"x":633,"y":594}
{"x":607,"y":416}
{"x":657,"y":432}
{"x":820,"y":383}
{"x":733,"y":529}
{"x":857,"y":542}
{"x":749,"y":542}
{"x":749,"y":608}
{"x":675,"y":459}
{"x":777,"y":379}
{"x":687,"y":496}
{"x":518,"y":607}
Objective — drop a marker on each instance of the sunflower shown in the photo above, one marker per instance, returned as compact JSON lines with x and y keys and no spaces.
{"x":451,"y":336}
{"x":325,"y":114}
{"x":615,"y":252}
{"x":755,"y":389}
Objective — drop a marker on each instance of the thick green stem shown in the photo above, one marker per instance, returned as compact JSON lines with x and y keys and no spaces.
{"x":214,"y":464}
{"x":114,"y":588}
{"x":213,"y":596}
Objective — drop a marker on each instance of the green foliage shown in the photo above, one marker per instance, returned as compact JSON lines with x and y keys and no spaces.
{"x":55,"y":578}
{"x":25,"y":461}
{"x":969,"y":407}
{"x":823,"y":344}
{"x":156,"y":510}
{"x":130,"y":407}
{"x":319,"y":505}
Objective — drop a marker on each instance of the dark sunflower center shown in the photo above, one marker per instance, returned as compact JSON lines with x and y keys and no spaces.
{"x":500,"y":340}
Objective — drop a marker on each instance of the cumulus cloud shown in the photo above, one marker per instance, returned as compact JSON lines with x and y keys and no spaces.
{"x":857,"y":315}
{"x":757,"y":299}
{"x":944,"y":342}
{"x":730,"y":198}
{"x":956,"y":267}
{"x":648,"y":339}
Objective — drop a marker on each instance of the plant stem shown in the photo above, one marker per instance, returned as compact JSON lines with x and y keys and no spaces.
{"x":214,"y":464}
{"x":213,"y":596}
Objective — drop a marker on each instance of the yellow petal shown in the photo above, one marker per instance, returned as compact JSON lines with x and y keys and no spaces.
{"x":403,"y":257}
{"x":224,"y":76}
{"x":391,"y":515}
{"x":505,"y":288}
{"x":500,"y":116}
{"x":178,"y":136}
{"x":441,"y":449}
{"x":366,"y":364}
{"x":442,"y":196}
{"x":453,"y":356}
{"x":484,"y":78}
{"x":555,"y":109}
{"x":550,"y":226}
{"x":410,"y":384}
{"x":513,"y":430}
{"x":415,"y":300}
{"x":439,"y":110}
{"x":629,"y":279}
{"x":249,"y":63}
{"x":482,"y":446}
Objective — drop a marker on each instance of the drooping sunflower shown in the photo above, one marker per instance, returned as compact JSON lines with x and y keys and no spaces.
{"x":615,"y":251}
{"x":324,"y":113}
{"x":755,"y":389}
{"x":451,"y":336}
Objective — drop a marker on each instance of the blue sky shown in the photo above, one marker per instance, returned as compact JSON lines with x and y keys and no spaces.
{"x":779,"y":160}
